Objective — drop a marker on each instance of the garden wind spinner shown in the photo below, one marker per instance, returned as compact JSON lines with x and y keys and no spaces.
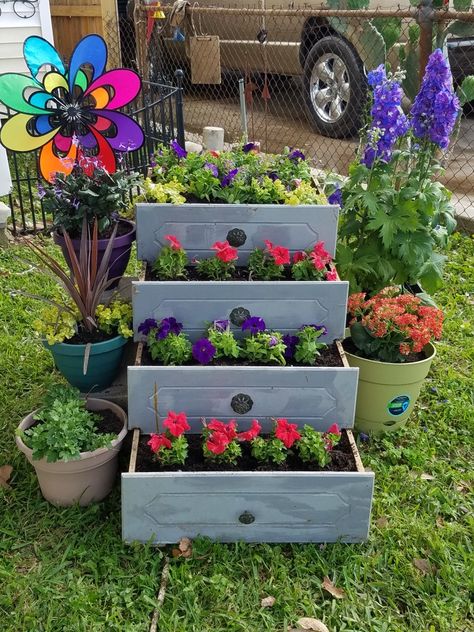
{"x":70,"y":114}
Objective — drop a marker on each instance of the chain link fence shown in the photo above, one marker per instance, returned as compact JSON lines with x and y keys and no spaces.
{"x":301,"y":73}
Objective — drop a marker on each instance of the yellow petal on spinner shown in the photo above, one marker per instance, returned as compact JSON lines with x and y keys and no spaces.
{"x":15,"y":136}
{"x":54,"y":80}
{"x":101,"y":97}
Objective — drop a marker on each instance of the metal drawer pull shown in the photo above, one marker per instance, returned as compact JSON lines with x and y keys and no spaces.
{"x":241,"y":403}
{"x":246,"y":518}
{"x":239,"y":315}
{"x":236,"y":237}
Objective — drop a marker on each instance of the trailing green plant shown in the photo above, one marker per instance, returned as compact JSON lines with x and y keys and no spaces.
{"x":223,"y":340}
{"x":66,"y":428}
{"x":307,"y":349}
{"x":315,"y":447}
{"x":171,"y":262}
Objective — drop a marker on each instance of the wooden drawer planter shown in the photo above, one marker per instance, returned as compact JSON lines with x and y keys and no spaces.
{"x":284,"y":305}
{"x":162,"y":507}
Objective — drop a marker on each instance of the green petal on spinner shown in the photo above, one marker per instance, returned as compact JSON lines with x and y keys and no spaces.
{"x":15,"y":136}
{"x":12,"y":88}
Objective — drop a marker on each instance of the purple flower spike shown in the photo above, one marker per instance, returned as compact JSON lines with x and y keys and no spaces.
{"x":296,"y":155}
{"x":178,"y":150}
{"x":248,"y":147}
{"x":212,"y":168}
{"x":377,"y":76}
{"x":254,"y":324}
{"x":221,"y":325}
{"x":146,"y":326}
{"x":203,"y":351}
{"x":290,"y":342}
{"x":169,"y":326}
{"x":336,"y":197}
{"x":226,"y":180}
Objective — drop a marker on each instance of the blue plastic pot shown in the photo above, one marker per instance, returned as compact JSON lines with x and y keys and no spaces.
{"x":103,"y":366}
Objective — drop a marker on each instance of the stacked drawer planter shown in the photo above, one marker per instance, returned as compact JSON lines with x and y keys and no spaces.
{"x":283,"y":506}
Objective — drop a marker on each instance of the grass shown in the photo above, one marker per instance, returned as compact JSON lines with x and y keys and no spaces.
{"x":67,"y":570}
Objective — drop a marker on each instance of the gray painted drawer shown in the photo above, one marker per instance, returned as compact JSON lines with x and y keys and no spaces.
{"x":319,"y":396}
{"x":247,"y":506}
{"x":284,"y":305}
{"x":198,"y":226}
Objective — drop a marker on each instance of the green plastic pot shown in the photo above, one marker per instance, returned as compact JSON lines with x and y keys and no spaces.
{"x":388,"y":391}
{"x":102,"y":368}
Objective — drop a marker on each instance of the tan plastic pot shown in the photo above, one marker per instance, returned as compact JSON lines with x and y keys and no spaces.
{"x":387,"y":391}
{"x":85,"y":480}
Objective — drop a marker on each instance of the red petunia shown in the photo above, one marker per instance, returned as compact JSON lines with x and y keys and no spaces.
{"x":225,"y":252}
{"x":227,"y":429}
{"x":252,"y":433}
{"x":281,"y":255}
{"x":328,"y":440}
{"x":321,"y":252}
{"x":158,"y":441}
{"x":174,"y":242}
{"x":286,"y":432}
{"x":331,"y":275}
{"x":317,"y":261}
{"x":217,"y":442}
{"x":176,"y":423}
{"x":299,"y":256}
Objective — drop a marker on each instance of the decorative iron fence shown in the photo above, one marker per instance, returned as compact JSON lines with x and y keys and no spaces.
{"x":158,"y":109}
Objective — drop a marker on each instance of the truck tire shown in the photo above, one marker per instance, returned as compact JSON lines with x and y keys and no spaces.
{"x":335,"y":88}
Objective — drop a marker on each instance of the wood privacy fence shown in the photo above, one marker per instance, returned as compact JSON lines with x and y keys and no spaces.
{"x":73,"y":19}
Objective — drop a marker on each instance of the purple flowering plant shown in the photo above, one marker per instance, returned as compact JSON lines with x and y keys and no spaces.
{"x":166,"y":341}
{"x":396,"y":214}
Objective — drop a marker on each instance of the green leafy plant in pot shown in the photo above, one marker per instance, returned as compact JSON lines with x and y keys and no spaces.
{"x":390,"y":342}
{"x":85,"y":337}
{"x":73,"y":444}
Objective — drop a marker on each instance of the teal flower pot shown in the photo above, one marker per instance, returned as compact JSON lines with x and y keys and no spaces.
{"x":103,"y":365}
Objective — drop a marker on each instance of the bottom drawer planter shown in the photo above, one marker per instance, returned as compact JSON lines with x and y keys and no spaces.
{"x":163,"y":507}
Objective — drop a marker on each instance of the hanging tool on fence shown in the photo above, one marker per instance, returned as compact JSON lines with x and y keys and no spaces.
{"x":204,"y":54}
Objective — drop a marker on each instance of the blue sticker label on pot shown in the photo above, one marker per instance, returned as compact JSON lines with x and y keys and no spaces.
{"x":398,"y":405}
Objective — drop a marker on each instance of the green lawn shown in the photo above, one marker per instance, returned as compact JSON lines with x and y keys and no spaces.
{"x":66,"y":570}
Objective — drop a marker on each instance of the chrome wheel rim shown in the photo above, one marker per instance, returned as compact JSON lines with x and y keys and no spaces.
{"x":329,"y":88}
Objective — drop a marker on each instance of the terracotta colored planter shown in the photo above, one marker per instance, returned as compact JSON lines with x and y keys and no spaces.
{"x":85,"y":480}
{"x":120,"y":253}
{"x":388,"y":391}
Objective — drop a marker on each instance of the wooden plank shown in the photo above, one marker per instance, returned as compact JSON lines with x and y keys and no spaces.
{"x":319,"y":396}
{"x":138,"y":357}
{"x":134,"y":451}
{"x":198,"y":226}
{"x":355,"y":451}
{"x":281,"y":506}
{"x":284,"y":305}
{"x":342,"y":353}
{"x":78,"y":10}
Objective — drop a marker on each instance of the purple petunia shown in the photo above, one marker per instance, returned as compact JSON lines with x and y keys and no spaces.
{"x":168,"y":326}
{"x":212,"y":168}
{"x":146,"y":326}
{"x":221,"y":325}
{"x":254,"y":324}
{"x":436,"y":107}
{"x":248,"y":147}
{"x":226,"y":180}
{"x":178,"y":150}
{"x":203,"y":351}
{"x":273,"y":175}
{"x":336,"y":197}
{"x":290,"y":342}
{"x":273,"y":341}
{"x":296,"y":155}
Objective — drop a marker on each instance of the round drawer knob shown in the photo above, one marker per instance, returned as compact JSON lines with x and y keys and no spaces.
{"x":236,"y":237}
{"x":241,"y":403}
{"x":246,"y":518}
{"x":238,"y":316}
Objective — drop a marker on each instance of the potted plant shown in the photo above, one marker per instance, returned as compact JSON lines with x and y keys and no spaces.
{"x":93,"y":194}
{"x":391,"y":343}
{"x":396,"y":215}
{"x":258,"y":480}
{"x":85,"y":337}
{"x":73,"y":444}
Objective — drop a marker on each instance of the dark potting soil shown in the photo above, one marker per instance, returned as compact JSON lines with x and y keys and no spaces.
{"x":241,"y":273}
{"x":85,"y":337}
{"x":108,"y":422}
{"x":328,"y":357}
{"x":350,"y":347}
{"x":342,"y":460}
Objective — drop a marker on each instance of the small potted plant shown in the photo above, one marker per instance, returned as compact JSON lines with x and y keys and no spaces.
{"x":73,"y":444}
{"x":391,"y":342}
{"x":85,"y":337}
{"x":99,"y":196}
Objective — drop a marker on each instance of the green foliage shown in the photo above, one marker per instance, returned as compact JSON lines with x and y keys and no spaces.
{"x":305,"y":270}
{"x":230,"y":455}
{"x":161,"y":192}
{"x":203,"y":185}
{"x":262,"y":266}
{"x":225,"y":343}
{"x":390,"y":29}
{"x":465,"y":91}
{"x":170,"y":264}
{"x":115,"y":318}
{"x":72,"y":197}
{"x":67,"y":428}
{"x":308,"y":348}
{"x":270,"y":450}
{"x":177,"y":454}
{"x":312,"y":447}
{"x":215,"y":269}
{"x":264,"y":348}
{"x":172,"y":350}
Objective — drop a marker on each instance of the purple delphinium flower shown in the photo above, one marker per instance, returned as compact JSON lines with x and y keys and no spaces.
{"x":248,"y":147}
{"x":389,"y":122}
{"x":226,"y":180}
{"x":203,"y":351}
{"x":212,"y":168}
{"x":146,"y":326}
{"x":221,"y":325}
{"x":336,"y":197}
{"x":377,"y":76}
{"x":178,"y":150}
{"x":254,"y":324}
{"x":273,"y":341}
{"x":436,"y":106}
{"x":168,"y":326}
{"x":296,"y":155}
{"x":290,"y":342}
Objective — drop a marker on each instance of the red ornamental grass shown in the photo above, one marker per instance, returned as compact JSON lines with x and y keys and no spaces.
{"x":174,"y":242}
{"x":286,"y":432}
{"x":225,"y":252}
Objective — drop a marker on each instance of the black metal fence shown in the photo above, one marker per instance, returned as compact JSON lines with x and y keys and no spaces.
{"x":159,"y":111}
